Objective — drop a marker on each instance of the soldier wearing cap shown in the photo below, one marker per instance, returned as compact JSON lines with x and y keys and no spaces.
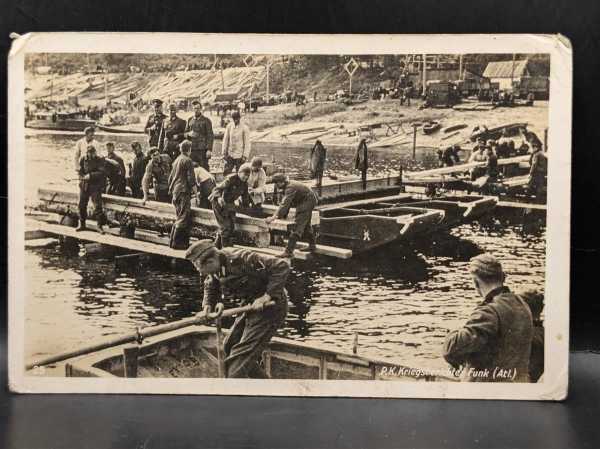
{"x":223,"y":198}
{"x":236,"y":274}
{"x":155,"y":125}
{"x":115,"y":171}
{"x":157,"y":174}
{"x":92,"y":181}
{"x":206,"y":183}
{"x":495,"y":343}
{"x":537,"y":172}
{"x":302,"y":198}
{"x":137,"y":168}
{"x":199,"y":130}
{"x":236,"y":144}
{"x":82,"y":145}
{"x":182,"y":185}
{"x":174,"y":132}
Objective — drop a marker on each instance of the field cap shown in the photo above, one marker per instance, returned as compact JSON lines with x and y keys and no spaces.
{"x":485,"y":265}
{"x":198,"y":249}
{"x":157,"y":102}
{"x":279,"y":177}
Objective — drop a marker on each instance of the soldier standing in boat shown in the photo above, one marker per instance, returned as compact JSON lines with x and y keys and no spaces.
{"x":495,"y":343}
{"x":237,"y":274}
{"x":92,"y":180}
{"x":223,"y":198}
{"x":236,"y":144}
{"x":116,"y":173}
{"x":182,"y":185}
{"x":137,"y":169}
{"x":155,"y":125}
{"x":82,"y":145}
{"x":157,"y":173}
{"x":302,"y":198}
{"x":199,"y":130}
{"x":174,"y":132}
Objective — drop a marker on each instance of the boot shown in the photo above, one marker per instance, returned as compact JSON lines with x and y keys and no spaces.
{"x":289,"y":250}
{"x":101,"y":229}
{"x":219,"y":241}
{"x":81,"y":226}
{"x":312,"y":246}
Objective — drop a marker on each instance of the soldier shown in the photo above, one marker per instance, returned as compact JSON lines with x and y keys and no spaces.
{"x":238,"y":274}
{"x":92,"y":180}
{"x":199,"y":131}
{"x":115,"y":172}
{"x":318,"y":156}
{"x":448,"y":155}
{"x":136,"y":170}
{"x":236,"y":144}
{"x":174,"y":130}
{"x":155,"y":125}
{"x":538,"y":171}
{"x":157,"y":173}
{"x":302,"y":198}
{"x":206,"y":183}
{"x":223,"y":198}
{"x":182,"y":185}
{"x":82,"y":145}
{"x":495,"y":343}
{"x":257,"y":182}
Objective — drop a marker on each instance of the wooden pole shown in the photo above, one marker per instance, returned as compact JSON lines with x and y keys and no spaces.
{"x":545,"y":139}
{"x":220,"y":352}
{"x":424,"y":74}
{"x":460,"y":67}
{"x":144,"y":333}
{"x":130,"y":360}
{"x":414,"y":141}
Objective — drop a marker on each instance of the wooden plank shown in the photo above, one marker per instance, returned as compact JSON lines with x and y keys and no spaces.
{"x":516,"y":204}
{"x":35,"y":234}
{"x":463,"y":167}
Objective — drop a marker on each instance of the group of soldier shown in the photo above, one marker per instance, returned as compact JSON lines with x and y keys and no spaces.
{"x":501,"y":334}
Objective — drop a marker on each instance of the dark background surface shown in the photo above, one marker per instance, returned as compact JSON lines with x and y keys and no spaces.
{"x":85,"y":421}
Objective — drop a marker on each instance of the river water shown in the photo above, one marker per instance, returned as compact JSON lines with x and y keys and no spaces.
{"x":400,"y":301}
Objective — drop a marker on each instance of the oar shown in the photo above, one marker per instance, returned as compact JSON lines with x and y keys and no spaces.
{"x":150,"y":331}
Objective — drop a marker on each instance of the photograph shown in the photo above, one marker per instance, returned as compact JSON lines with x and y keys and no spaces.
{"x":380,"y":216}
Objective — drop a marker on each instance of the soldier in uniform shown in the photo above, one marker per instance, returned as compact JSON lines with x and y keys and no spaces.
{"x":155,"y":125}
{"x":237,"y":274}
{"x":137,"y":168}
{"x":92,"y":180}
{"x":538,"y":171}
{"x":223,"y":198}
{"x":302,"y":198}
{"x":157,"y":173}
{"x":199,"y":131}
{"x":174,"y":130}
{"x":182,"y":185}
{"x":495,"y":343}
{"x":206,"y":183}
{"x":115,"y":172}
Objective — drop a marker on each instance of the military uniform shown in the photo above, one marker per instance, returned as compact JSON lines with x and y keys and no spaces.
{"x":154,"y":129}
{"x":202,"y":140}
{"x":245,"y":276}
{"x":304,"y":200}
{"x":497,"y":336}
{"x":116,"y":176}
{"x":182,"y":182}
{"x":174,"y":130}
{"x":92,"y":188}
{"x":158,"y":173}
{"x":230,"y":190}
{"x":136,"y":173}
{"x":537,"y":174}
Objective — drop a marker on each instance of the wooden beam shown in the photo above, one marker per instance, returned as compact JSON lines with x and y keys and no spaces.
{"x":463,"y":167}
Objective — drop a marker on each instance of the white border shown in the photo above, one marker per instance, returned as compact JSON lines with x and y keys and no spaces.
{"x":554,"y":386}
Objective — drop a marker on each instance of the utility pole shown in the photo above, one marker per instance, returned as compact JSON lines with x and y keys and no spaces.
{"x":424,"y":74}
{"x":222,"y":77}
{"x":415,"y":126}
{"x":460,"y":67}
{"x":512,"y":71}
{"x":106,"y":86}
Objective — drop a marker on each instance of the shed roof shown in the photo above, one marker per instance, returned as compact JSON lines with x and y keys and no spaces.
{"x":504,"y":69}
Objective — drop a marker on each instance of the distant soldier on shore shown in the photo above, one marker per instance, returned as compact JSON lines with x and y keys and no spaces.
{"x":174,"y":132}
{"x":257,"y":279}
{"x":82,"y":145}
{"x":155,"y":125}
{"x":137,"y":168}
{"x":92,"y":180}
{"x":199,"y":130}
{"x":157,"y":174}
{"x":495,"y":343}
{"x":304,"y":200}
{"x":182,"y":185}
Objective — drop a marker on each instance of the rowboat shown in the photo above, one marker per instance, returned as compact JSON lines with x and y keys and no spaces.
{"x":120,"y":129}
{"x":192,"y":352}
{"x":431,"y":127}
{"x":59,"y":121}
{"x":364,"y":225}
{"x":496,"y":133}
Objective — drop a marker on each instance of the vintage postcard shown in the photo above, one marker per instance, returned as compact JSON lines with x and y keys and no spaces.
{"x":299,"y":215}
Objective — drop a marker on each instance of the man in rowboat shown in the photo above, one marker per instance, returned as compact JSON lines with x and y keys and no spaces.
{"x":302,"y":198}
{"x":237,"y":274}
{"x":495,"y":343}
